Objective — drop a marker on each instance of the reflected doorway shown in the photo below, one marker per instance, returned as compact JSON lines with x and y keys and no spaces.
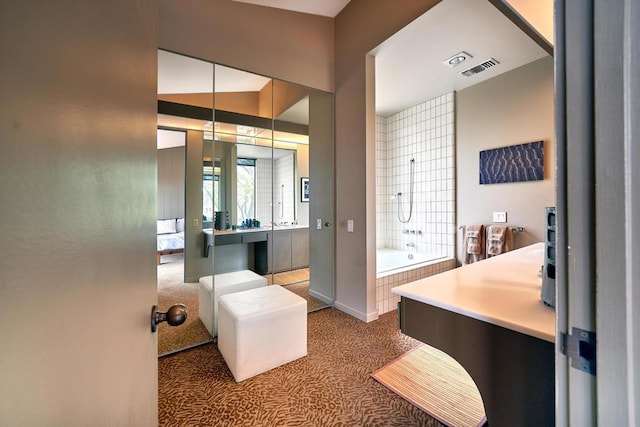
{"x":172,"y":287}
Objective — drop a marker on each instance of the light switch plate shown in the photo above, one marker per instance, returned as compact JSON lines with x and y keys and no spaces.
{"x":499,"y":217}
{"x":195,"y":222}
{"x":349,"y":226}
{"x":318,"y":224}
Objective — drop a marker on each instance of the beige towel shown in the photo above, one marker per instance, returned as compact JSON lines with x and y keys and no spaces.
{"x":499,"y":240}
{"x":473,"y":245}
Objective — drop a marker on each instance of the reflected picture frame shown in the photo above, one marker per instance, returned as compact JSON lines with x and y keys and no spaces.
{"x":304,"y":189}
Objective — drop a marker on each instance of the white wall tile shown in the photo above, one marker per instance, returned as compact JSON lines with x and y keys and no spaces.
{"x":424,"y":132}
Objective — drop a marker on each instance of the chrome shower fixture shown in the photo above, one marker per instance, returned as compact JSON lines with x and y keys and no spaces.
{"x":281,"y":202}
{"x":398,"y":195}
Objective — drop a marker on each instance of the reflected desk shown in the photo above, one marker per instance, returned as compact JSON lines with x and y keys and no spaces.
{"x":256,"y":236}
{"x":489,"y":317}
{"x":263,"y":250}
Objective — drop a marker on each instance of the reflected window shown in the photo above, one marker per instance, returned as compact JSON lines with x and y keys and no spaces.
{"x":208,"y":190}
{"x":246,"y":173}
{"x":211,"y":190}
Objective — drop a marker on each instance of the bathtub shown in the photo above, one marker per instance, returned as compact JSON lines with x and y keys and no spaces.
{"x":391,"y":261}
{"x":395,"y":268}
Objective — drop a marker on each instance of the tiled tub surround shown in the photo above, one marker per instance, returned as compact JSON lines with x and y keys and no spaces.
{"x":425,"y":133}
{"x":275,"y":203}
{"x":387,"y":301}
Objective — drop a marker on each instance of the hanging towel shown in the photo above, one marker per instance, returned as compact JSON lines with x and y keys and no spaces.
{"x":473,"y":245}
{"x":499,"y":240}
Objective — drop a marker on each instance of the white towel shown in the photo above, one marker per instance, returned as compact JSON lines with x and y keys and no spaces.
{"x":473,"y":242}
{"x":499,"y":240}
{"x":473,"y":246}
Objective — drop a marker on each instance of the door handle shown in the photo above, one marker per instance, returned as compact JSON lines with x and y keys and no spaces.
{"x":175,"y":316}
{"x":327,"y":224}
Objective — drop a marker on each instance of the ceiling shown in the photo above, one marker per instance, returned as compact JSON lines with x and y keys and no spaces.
{"x":182,"y":74}
{"x":328,"y":8}
{"x":409,"y":68}
{"x":179,"y":74}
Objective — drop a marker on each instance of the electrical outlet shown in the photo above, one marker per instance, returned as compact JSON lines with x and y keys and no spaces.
{"x":499,"y":217}
{"x":349,"y":226}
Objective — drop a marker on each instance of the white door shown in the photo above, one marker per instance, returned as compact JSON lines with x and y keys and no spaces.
{"x":77,"y":213}
{"x":597,"y":120}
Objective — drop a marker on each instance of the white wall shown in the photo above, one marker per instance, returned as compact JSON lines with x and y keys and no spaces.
{"x":513,"y":108}
{"x":538,"y":13}
{"x":360,"y":26}
{"x":291,"y":46}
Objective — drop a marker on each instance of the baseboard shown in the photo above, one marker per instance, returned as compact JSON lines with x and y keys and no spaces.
{"x":365,"y":317}
{"x":325,"y":299}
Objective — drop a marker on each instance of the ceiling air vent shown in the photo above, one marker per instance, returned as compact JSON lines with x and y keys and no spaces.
{"x":479,"y":68}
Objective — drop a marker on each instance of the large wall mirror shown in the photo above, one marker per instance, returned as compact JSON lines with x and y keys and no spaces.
{"x":185,"y":100}
{"x":249,"y":141}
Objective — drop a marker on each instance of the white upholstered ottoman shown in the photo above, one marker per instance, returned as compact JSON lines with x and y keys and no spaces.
{"x":226,"y":283}
{"x":261,"y":329}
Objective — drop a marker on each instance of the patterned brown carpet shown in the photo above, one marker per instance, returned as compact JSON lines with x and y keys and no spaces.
{"x":302,"y":289}
{"x":172,"y":290}
{"x":332,"y":386}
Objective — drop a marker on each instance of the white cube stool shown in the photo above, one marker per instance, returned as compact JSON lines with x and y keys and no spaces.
{"x":224,"y":284}
{"x":261,"y":329}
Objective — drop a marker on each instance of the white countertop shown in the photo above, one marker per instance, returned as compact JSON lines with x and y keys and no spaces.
{"x":502,"y":290}
{"x":256,"y":229}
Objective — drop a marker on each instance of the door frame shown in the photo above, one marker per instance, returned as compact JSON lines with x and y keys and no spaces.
{"x":598,"y":197}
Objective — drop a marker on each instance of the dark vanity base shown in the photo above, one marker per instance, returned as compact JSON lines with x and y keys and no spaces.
{"x":514,"y":372}
{"x":257,"y":242}
{"x":260,"y":250}
{"x":261,"y":257}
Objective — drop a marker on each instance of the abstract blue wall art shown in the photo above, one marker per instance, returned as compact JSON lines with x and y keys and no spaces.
{"x":515,"y":163}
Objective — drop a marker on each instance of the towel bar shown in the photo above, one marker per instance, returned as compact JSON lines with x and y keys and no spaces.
{"x":514,"y":229}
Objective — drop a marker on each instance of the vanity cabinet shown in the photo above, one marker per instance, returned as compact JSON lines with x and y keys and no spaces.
{"x":299,"y":248}
{"x":281,"y":257}
{"x":268,"y":251}
{"x":290,"y":250}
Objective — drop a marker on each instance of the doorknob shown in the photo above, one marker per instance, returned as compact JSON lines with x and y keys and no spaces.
{"x":175,"y":316}
{"x":327,"y":224}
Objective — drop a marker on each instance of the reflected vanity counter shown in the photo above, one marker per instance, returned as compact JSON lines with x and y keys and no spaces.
{"x":263,"y":250}
{"x":489,"y":317}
